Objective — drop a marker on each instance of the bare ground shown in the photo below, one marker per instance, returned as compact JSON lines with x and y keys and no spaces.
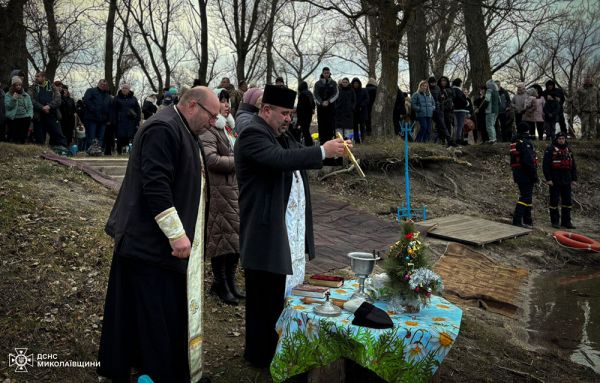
{"x":56,"y":258}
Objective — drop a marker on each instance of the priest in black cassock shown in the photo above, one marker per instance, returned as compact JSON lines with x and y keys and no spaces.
{"x":275,"y":215}
{"x":153,"y":310}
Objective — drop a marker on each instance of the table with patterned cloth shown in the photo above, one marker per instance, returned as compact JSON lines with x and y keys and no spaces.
{"x":411,"y":351}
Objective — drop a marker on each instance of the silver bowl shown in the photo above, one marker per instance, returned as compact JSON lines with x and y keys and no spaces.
{"x":362,"y":263}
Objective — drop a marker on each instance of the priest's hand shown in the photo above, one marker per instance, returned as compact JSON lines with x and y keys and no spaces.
{"x":335,"y":147}
{"x":181,"y":247}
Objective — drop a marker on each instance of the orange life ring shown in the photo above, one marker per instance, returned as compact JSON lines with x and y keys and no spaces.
{"x":576,"y":241}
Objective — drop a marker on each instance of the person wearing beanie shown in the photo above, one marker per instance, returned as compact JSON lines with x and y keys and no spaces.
{"x":524,"y":163}
{"x":19,"y":111}
{"x":560,"y":173}
{"x":551,"y":109}
{"x":372,"y":90}
{"x":361,"y":113}
{"x":276,"y":230}
{"x":558,"y":95}
{"x":248,"y":108}
{"x":460,"y":109}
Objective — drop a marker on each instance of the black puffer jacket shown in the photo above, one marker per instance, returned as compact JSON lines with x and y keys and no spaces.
{"x":125,"y":115}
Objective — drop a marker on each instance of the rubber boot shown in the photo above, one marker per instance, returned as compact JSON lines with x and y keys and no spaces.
{"x":566,"y":218}
{"x":518,"y":215}
{"x":231,"y":263}
{"x":219,"y":286}
{"x":554,"y":217}
{"x":527,"y":219}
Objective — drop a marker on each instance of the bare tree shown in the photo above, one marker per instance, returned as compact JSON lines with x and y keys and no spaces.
{"x":392,"y":17}
{"x":443,"y":38}
{"x":153,"y":21}
{"x":245,"y":22}
{"x":416,"y":36}
{"x":58,"y":34}
{"x":198,"y":20}
{"x":299,"y":51}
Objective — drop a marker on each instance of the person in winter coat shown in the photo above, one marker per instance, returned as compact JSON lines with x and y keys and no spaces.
{"x":505,"y":115}
{"x":551,"y":110}
{"x":125,"y":117}
{"x":304,"y":112}
{"x":372,"y":90}
{"x":491,"y":112}
{"x":534,"y":113}
{"x":149,"y":106}
{"x":558,"y":95}
{"x":445,"y":108}
{"x":223,"y":225}
{"x":96,"y":103}
{"x":518,"y":102}
{"x":423,"y":105}
{"x":19,"y":111}
{"x":248,"y":108}
{"x":361,"y":111}
{"x":344,"y":109}
{"x":480,"y":106}
{"x":560,"y":173}
{"x":587,"y":106}
{"x":460,"y":110}
{"x":326,"y":94}
{"x":438,"y":114}
{"x":46,"y":103}
{"x":67,"y":111}
{"x":399,"y":110}
{"x":524,"y":163}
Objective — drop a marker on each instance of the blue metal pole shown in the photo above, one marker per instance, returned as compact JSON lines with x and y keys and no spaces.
{"x":406,"y":178}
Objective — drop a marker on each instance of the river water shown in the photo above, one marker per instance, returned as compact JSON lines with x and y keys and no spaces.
{"x":565,"y":313}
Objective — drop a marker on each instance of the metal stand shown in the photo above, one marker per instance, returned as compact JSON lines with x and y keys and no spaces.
{"x":406,"y":212}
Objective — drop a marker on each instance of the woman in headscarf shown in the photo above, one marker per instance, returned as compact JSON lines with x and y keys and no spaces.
{"x":19,"y":111}
{"x":223,"y":225}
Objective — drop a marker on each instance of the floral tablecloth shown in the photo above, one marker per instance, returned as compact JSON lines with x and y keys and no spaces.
{"x":411,"y":351}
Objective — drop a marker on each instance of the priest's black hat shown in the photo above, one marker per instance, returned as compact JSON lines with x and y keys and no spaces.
{"x":278,"y":96}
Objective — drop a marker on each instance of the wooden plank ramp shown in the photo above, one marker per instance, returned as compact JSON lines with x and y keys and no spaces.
{"x":470,"y":230}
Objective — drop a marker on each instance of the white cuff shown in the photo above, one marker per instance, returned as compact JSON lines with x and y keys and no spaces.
{"x":353,"y":304}
{"x":170,"y":224}
{"x":323,"y":155}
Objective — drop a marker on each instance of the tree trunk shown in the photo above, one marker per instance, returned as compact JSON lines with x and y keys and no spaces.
{"x":13,"y":41}
{"x":477,"y":46}
{"x":203,"y":68}
{"x":54,"y":49}
{"x":269,"y":43}
{"x":109,"y":45}
{"x":389,"y":43}
{"x":417,"y":42}
{"x":372,"y":48}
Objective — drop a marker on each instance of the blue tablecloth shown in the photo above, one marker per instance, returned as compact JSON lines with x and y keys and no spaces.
{"x":409,"y":352}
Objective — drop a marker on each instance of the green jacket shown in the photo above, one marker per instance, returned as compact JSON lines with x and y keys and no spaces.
{"x":19,"y":108}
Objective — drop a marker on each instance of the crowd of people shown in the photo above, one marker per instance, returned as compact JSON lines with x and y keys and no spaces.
{"x":247,"y":150}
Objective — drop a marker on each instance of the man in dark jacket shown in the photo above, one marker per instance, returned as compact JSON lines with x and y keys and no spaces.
{"x":557,"y":94}
{"x":304,"y":112}
{"x":326,"y":92}
{"x":157,"y":223}
{"x":46,"y":103}
{"x":125,"y":118}
{"x":552,"y":109}
{"x":372,"y":90}
{"x":96,"y":102}
{"x":67,"y":111}
{"x":270,"y":167}
{"x":560,"y":173}
{"x":443,"y":109}
{"x":361,"y":112}
{"x":506,"y":114}
{"x":524,"y":162}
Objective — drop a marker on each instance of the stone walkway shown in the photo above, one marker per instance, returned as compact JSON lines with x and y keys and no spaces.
{"x":338,"y":227}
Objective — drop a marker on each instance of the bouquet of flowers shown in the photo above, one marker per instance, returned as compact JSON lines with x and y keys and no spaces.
{"x":407,"y":267}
